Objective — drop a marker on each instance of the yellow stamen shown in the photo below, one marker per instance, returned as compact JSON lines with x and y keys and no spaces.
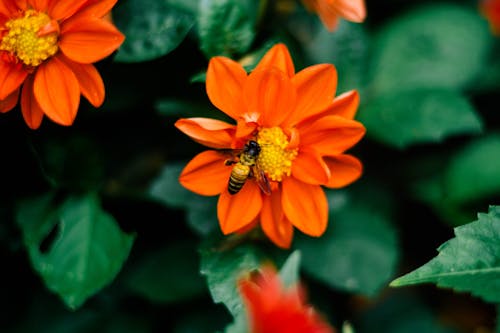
{"x":274,"y":158}
{"x":31,"y":38}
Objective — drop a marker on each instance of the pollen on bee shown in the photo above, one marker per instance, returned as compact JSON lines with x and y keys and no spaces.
{"x":275,"y":159}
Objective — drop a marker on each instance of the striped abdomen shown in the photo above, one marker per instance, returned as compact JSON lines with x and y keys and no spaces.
{"x":239,"y":175}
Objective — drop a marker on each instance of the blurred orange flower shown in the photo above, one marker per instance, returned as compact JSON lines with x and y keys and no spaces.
{"x":329,"y":11}
{"x":300,"y":133}
{"x":491,"y":11}
{"x":272,"y":309}
{"x":47,"y":48}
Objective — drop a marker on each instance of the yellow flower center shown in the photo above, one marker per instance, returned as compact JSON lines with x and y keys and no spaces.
{"x":32,"y":38}
{"x":274,"y":157}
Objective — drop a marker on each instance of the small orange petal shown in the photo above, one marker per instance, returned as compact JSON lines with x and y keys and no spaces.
{"x":271,"y":93}
{"x":345,"y":169}
{"x":57,"y":91}
{"x":89,"y":39}
{"x":351,"y":10}
{"x":32,"y":113}
{"x":274,"y":222}
{"x":331,"y":135}
{"x":9,"y":102}
{"x":305,"y":206}
{"x":206,"y":174}
{"x":209,"y":132}
{"x":327,"y":14}
{"x":278,"y":56}
{"x":91,"y":84}
{"x":238,"y":210}
{"x":316,"y":87}
{"x":310,"y":168}
{"x":9,"y":8}
{"x":224,"y":85}
{"x":11,"y":77}
{"x":61,"y":10}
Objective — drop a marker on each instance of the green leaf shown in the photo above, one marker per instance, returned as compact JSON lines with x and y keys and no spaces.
{"x":427,"y":48}
{"x":404,"y":118}
{"x":223,"y":269}
{"x":470,"y":262}
{"x":474,"y":172}
{"x":226,"y":27}
{"x":289,"y":272}
{"x":159,"y":28}
{"x":201,"y":211}
{"x":346,"y":49}
{"x":169,"y":275}
{"x":359,"y":251}
{"x":86,"y":248}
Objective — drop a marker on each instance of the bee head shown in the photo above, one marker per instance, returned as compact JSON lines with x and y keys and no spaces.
{"x":252,"y":148}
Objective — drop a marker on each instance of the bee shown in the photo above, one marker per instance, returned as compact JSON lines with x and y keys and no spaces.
{"x":246,"y":167}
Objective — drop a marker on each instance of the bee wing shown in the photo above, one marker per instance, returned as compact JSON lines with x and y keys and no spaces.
{"x":262,"y":181}
{"x":231,"y":154}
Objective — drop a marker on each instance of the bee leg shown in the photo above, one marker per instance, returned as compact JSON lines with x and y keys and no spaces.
{"x":229,"y":162}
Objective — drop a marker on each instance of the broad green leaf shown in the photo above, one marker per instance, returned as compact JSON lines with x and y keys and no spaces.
{"x":152,"y":28}
{"x":474,"y":172}
{"x":470,"y":262}
{"x":404,"y":118}
{"x":346,"y":49}
{"x":223,"y":269}
{"x":76,"y":247}
{"x":226,"y":27}
{"x":440,"y":45}
{"x":201,"y":211}
{"x":359,"y":251}
{"x":169,"y":275}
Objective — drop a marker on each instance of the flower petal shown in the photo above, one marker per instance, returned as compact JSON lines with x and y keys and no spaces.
{"x":305,"y":206}
{"x":274,"y":222}
{"x":209,"y":132}
{"x":278,"y":56}
{"x":331,"y":135}
{"x":238,"y":210}
{"x":351,"y":10}
{"x":39,"y":5}
{"x":89,"y":39}
{"x":9,"y":102}
{"x":345,"y":169}
{"x":345,"y":105}
{"x":32,"y":113}
{"x":9,"y":8}
{"x":61,"y":10}
{"x":96,"y":8}
{"x":310,"y":168}
{"x":91,"y":84}
{"x":327,"y":14}
{"x":316,"y":87}
{"x":224,"y":85}
{"x":11,"y":77}
{"x":206,"y":174}
{"x":57,"y":91}
{"x":271,"y":93}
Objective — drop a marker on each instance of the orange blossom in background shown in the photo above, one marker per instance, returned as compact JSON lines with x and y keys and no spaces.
{"x":47,"y":48}
{"x":329,"y":11}
{"x":273,"y":309}
{"x":491,"y":11}
{"x":302,"y":131}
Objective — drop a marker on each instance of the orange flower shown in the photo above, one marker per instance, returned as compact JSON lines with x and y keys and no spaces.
{"x":329,"y":11}
{"x":302,"y":133}
{"x":47,"y":48}
{"x":271,"y":309}
{"x":490,"y":9}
